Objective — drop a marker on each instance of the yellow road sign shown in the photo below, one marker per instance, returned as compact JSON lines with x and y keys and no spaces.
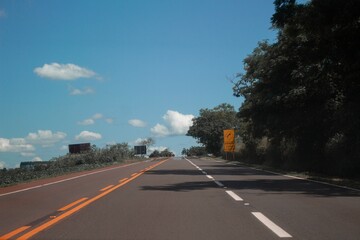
{"x":229,"y":136}
{"x":229,"y":140}
{"x":229,"y":147}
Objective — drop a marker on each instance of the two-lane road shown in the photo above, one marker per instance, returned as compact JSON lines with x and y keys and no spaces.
{"x":181,"y":199}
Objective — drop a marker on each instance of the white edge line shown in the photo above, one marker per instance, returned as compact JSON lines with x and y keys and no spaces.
{"x":271,"y":225}
{"x":306,"y":179}
{"x":64,"y":180}
{"x":234,"y":196}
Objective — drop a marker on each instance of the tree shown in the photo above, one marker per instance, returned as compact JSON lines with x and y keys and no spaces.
{"x":208,"y":127}
{"x":194,"y":151}
{"x":303,"y":89}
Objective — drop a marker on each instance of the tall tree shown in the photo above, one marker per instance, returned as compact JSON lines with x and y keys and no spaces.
{"x":304,"y":87}
{"x":208,"y":127}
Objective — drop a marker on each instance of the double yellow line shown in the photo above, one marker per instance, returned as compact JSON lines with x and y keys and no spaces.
{"x":68,"y":210}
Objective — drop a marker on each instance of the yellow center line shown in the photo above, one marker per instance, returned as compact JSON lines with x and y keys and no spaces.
{"x":106,"y":188}
{"x":13,"y":233}
{"x":124,"y":179}
{"x":72,"y":204}
{"x":79,"y":207}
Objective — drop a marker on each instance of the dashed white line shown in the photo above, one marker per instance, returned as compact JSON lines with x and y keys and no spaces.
{"x":234,"y":196}
{"x":210,"y":177}
{"x":219,"y":183}
{"x":271,"y":225}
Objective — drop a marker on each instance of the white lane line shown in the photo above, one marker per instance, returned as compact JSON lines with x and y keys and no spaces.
{"x":210,"y":177}
{"x":205,"y":173}
{"x":219,"y":183}
{"x":271,"y":225}
{"x":234,"y":196}
{"x":64,"y":180}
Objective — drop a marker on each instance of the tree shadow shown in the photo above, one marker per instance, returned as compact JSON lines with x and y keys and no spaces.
{"x":262,"y":182}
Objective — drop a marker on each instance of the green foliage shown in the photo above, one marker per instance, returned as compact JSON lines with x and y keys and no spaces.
{"x":194,"y":151}
{"x":164,"y":153}
{"x":302,"y":92}
{"x":208,"y":127}
{"x":69,"y":163}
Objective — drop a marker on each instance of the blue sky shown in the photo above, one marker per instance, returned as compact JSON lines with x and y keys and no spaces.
{"x":117,"y":71}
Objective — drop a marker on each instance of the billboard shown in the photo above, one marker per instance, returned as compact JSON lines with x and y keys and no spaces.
{"x":140,"y":150}
{"x":79,"y":148}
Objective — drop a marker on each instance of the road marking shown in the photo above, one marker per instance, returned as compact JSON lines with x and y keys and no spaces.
{"x":271,"y":225}
{"x":219,"y":183}
{"x":106,"y":188}
{"x":13,"y":233}
{"x":124,"y":179}
{"x":72,"y":204}
{"x":234,"y":196}
{"x":79,"y":207}
{"x":208,"y":176}
{"x":64,"y":180}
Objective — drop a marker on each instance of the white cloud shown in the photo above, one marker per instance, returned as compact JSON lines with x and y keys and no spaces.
{"x":88,"y":136}
{"x":36,"y":159}
{"x":64,"y":147}
{"x":2,"y":165}
{"x":91,"y":121}
{"x":137,"y":123}
{"x":177,"y":124}
{"x":109,"y":120}
{"x":160,"y":130}
{"x":84,"y":91}
{"x":45,"y":138}
{"x":15,"y":145}
{"x":86,"y":122}
{"x":97,"y":116}
{"x":68,"y":71}
{"x":160,"y":149}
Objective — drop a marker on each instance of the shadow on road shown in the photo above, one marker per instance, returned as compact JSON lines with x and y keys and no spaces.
{"x":257,"y":181}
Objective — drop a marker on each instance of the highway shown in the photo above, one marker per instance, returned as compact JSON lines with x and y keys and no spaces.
{"x":180,"y":198}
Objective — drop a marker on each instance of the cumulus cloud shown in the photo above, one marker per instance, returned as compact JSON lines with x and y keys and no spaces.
{"x":88,"y":136}
{"x":84,"y":91}
{"x":67,"y":72}
{"x":160,"y":130}
{"x":109,"y":120}
{"x":91,"y":120}
{"x":97,"y":116}
{"x":86,"y":122}
{"x":15,"y":145}
{"x":176,"y":124}
{"x":36,"y":159}
{"x":160,"y":149}
{"x":2,"y":165}
{"x":137,"y":123}
{"x":45,"y":138}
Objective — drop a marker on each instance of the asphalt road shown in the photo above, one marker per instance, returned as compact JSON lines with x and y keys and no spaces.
{"x":181,"y":199}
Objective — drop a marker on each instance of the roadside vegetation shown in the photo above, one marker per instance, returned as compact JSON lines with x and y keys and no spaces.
{"x":300,"y":94}
{"x":95,"y":158}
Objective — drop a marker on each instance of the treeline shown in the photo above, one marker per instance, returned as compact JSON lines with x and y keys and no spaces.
{"x":302,"y":92}
{"x":301,"y":108}
{"x":164,"y":153}
{"x":194,"y":151}
{"x":95,"y":158}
